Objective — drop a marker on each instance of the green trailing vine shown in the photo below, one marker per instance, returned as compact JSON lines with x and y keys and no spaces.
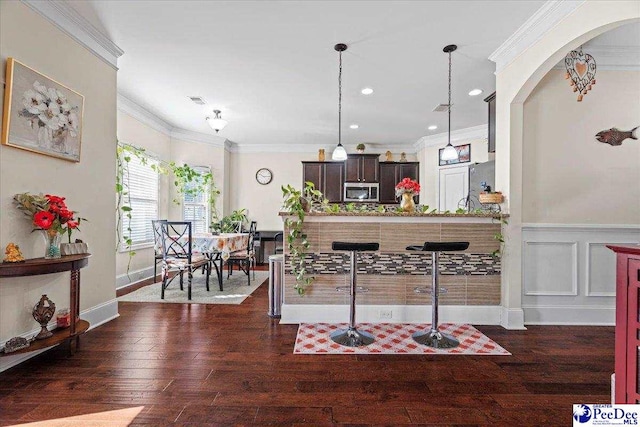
{"x":500,"y":237}
{"x":298,"y":203}
{"x":186,"y":180}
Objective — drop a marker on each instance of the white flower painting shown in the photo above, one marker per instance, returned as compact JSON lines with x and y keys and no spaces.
{"x":41,"y":115}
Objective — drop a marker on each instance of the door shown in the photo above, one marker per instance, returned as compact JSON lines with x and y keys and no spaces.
{"x":312,"y":171}
{"x":332,"y":180}
{"x":388,"y":181}
{"x":369,"y":168}
{"x":454,"y":186}
{"x":353,"y":169}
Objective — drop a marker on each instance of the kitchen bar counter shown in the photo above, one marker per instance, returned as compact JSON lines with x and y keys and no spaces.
{"x":472,"y":277}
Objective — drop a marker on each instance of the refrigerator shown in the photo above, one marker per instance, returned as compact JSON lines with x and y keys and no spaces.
{"x":482,"y":177}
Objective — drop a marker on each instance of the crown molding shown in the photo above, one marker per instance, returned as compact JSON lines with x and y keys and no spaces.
{"x":66,"y":18}
{"x":143,"y":115}
{"x":313,"y":149}
{"x":475,"y":132}
{"x":190,"y":136}
{"x":612,"y":58}
{"x":545,"y":18}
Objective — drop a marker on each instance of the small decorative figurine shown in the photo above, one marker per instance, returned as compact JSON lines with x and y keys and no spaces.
{"x":17,"y":343}
{"x":13,"y":253}
{"x":321,"y":155}
{"x":43,"y":312}
{"x":403,"y":157}
{"x":615,"y":137}
{"x":389,"y":156}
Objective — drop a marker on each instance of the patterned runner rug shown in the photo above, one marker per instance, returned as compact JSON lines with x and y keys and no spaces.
{"x":393,"y":338}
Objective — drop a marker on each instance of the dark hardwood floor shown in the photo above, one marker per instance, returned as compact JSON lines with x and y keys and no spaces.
{"x":201,"y":365}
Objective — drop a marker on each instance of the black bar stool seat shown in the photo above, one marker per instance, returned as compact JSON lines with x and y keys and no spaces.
{"x":434,"y":338}
{"x":351,"y":337}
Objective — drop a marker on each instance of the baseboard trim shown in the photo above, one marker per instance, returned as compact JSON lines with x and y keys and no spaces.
{"x":512,"y":318}
{"x":134,"y":277}
{"x":565,"y":315}
{"x":313,"y":313}
{"x":96,"y":316}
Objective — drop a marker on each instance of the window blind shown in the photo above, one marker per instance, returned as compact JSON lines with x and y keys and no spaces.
{"x":142,"y":183}
{"x":195,"y":207}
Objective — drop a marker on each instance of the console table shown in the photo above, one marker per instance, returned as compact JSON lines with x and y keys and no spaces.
{"x":627,"y":389}
{"x":38,"y":266}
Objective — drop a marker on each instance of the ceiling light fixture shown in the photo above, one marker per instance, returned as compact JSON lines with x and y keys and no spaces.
{"x":354,"y":126}
{"x":432,"y":127}
{"x":340,"y":153}
{"x":217,"y":123}
{"x":475,"y":92}
{"x":449,"y":152}
{"x":366,"y":91}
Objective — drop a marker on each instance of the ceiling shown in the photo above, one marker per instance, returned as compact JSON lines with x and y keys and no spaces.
{"x":271,"y":68}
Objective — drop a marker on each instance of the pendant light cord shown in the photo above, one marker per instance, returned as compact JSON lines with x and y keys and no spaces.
{"x":449,"y":105}
{"x":340,"y":101}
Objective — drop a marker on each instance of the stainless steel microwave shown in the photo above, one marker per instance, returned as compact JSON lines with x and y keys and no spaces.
{"x":361,"y":192}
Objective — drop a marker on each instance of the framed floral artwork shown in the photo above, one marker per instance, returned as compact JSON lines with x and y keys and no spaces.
{"x":40,"y":114}
{"x":464,"y":155}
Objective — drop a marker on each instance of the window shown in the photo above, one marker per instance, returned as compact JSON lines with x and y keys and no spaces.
{"x":196,"y":207}
{"x":141,"y":182}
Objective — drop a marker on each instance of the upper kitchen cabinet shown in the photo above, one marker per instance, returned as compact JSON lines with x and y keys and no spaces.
{"x":362,"y":168}
{"x":491,"y":101}
{"x":327,"y":177}
{"x":391,"y":173}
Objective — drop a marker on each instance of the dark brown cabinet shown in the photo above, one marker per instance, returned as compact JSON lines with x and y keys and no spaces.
{"x":326,"y":176}
{"x":362,"y":168}
{"x":491,"y":100}
{"x":391,"y":173}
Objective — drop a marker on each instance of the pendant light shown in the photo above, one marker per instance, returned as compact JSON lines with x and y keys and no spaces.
{"x":449,"y":152}
{"x":340,"y":153}
{"x":217,"y":123}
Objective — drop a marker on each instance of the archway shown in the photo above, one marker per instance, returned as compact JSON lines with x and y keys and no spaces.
{"x":514,"y":83}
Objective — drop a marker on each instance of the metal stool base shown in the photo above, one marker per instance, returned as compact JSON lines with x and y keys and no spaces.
{"x":352,"y":337}
{"x":435,"y":339}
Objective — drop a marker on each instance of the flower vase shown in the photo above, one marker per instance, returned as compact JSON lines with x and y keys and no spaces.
{"x":52,"y":243}
{"x":406,"y":203}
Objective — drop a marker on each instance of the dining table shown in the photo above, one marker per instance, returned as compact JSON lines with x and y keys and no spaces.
{"x":219,"y":247}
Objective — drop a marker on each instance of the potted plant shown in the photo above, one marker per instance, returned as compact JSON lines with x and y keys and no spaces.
{"x":298,"y":203}
{"x":360,"y":148}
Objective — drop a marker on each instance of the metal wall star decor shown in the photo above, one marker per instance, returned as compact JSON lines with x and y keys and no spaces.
{"x":581,"y":69}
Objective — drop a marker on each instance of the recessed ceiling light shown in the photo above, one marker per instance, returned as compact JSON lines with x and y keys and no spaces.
{"x":475,"y":92}
{"x":367,"y":91}
{"x":354,"y":126}
{"x":432,"y":127}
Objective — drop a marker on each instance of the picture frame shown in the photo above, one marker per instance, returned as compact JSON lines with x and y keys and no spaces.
{"x":464,"y":155}
{"x":40,"y":114}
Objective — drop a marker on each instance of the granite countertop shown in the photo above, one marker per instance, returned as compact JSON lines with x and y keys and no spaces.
{"x":406,"y":214}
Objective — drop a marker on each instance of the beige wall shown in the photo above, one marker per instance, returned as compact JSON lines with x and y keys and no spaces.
{"x":157,"y":144}
{"x":430,"y":170}
{"x":568,"y":176}
{"x":88,"y":185}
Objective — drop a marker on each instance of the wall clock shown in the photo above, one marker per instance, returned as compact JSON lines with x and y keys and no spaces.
{"x":264,"y":176}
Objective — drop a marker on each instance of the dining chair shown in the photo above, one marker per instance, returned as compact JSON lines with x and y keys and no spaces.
{"x":178,"y":255}
{"x":157,"y":245}
{"x":279,"y":244}
{"x":245,"y":260}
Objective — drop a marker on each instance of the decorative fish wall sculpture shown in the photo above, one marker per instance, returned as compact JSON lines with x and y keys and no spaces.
{"x":614,"y":136}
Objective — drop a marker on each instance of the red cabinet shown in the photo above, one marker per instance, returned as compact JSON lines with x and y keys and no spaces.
{"x":627,"y":323}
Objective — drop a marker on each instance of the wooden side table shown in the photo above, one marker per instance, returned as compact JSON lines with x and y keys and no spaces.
{"x":38,"y":266}
{"x":627,"y":324}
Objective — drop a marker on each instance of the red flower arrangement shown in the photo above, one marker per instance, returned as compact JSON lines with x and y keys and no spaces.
{"x":48,"y":212}
{"x":407,"y":185}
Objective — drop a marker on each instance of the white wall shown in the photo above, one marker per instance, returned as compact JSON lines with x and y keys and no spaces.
{"x":157,"y":144}
{"x":568,"y":176}
{"x":430,"y":169}
{"x":88,"y":185}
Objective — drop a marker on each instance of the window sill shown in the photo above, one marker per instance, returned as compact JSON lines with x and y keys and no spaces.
{"x":123,"y":248}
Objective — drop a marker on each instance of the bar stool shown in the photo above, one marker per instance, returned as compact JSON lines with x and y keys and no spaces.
{"x":351,"y":337}
{"x":434,"y":338}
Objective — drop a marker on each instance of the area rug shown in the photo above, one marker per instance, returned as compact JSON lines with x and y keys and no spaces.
{"x":393,"y":338}
{"x":235,"y":290}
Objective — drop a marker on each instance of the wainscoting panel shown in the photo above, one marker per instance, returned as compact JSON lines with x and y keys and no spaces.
{"x":551,"y":268}
{"x":568,"y":274}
